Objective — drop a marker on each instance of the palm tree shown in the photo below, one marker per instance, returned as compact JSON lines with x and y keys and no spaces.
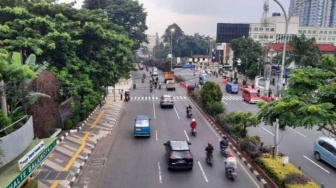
{"x":305,"y":52}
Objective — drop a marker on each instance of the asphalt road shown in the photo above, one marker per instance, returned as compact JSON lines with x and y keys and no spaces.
{"x":296,"y":143}
{"x":140,"y":162}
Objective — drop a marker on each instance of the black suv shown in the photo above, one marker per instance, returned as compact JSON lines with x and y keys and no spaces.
{"x":178,"y":155}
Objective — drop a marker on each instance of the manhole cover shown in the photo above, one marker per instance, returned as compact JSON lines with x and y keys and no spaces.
{"x":97,"y":162}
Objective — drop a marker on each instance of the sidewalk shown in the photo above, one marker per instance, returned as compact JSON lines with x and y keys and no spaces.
{"x":63,"y":165}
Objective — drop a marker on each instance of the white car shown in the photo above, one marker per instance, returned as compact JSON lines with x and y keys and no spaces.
{"x":155,"y":73}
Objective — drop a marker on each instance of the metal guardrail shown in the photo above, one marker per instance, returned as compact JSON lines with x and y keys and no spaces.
{"x":4,"y":129}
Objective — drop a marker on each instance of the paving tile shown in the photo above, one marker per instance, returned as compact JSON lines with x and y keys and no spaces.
{"x":62,"y":175}
{"x":42,"y":175}
{"x":52,"y":175}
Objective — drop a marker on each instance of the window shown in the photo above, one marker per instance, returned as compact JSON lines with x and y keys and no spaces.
{"x":330,"y":32}
{"x":260,"y":29}
{"x":304,"y":31}
{"x":309,"y":31}
{"x":271,"y":37}
{"x":314,"y":31}
{"x":324,"y":39}
{"x":255,"y":36}
{"x":300,"y":31}
{"x":321,"y":32}
{"x":325,"y":32}
{"x":319,"y":38}
{"x":272,"y":29}
{"x":267,"y":29}
{"x":255,"y":29}
{"x":334,"y":32}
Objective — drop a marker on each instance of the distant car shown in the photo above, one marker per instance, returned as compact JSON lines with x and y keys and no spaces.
{"x":325,"y":149}
{"x":170,"y":85}
{"x":141,"y":67}
{"x":251,"y":95}
{"x":155,"y":73}
{"x":142,"y":126}
{"x":166,"y":100}
{"x":232,"y":88}
{"x":178,"y":155}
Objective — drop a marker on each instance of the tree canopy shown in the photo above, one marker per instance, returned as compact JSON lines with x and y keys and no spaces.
{"x":84,"y":50}
{"x":309,"y":100}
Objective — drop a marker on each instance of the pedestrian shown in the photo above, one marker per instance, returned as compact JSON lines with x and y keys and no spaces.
{"x":121,"y":94}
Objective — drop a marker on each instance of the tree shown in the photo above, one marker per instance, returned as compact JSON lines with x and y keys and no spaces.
{"x":305,"y":52}
{"x":247,"y":50}
{"x":309,"y":101}
{"x":131,"y":16}
{"x":242,"y":120}
{"x":95,"y":4}
{"x":211,"y":92}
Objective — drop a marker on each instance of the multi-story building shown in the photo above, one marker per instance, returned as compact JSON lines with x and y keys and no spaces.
{"x":315,"y":13}
{"x":275,"y":31}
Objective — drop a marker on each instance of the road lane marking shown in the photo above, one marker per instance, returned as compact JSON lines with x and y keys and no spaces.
{"x":206,"y":179}
{"x":160,"y":177}
{"x":185,"y":132}
{"x":267,"y":131}
{"x":100,"y":114}
{"x":156,"y":135}
{"x":154,"y":109}
{"x":244,"y":103}
{"x":74,"y":157}
{"x":316,"y":164}
{"x":297,"y":132}
{"x":176,"y":113}
{"x":224,"y":102}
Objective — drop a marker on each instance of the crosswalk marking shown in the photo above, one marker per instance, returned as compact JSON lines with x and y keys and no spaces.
{"x":232,"y":98}
{"x":156,"y":98}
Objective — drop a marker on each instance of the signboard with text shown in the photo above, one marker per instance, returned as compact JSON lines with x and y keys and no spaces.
{"x":32,"y":166}
{"x":30,"y":155}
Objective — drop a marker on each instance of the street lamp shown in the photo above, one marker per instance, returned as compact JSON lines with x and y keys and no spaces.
{"x":287,"y":19}
{"x":171,"y":48}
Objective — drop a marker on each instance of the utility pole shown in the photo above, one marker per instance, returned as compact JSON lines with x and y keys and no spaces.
{"x":3,"y":97}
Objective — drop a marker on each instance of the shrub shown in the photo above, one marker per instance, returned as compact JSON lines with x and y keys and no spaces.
{"x":296,"y":178}
{"x":214,"y":107}
{"x":310,"y":184}
{"x":211,"y":92}
{"x":179,"y":79}
{"x":251,"y":146}
{"x":68,"y":124}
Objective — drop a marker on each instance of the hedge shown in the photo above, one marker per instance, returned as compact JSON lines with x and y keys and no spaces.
{"x":278,"y":172}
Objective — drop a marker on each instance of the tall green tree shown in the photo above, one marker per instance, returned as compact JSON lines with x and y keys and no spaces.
{"x":211,"y":92}
{"x":305,"y":52}
{"x":248,"y":51}
{"x":242,"y":120}
{"x":131,"y":16}
{"x":309,"y":100}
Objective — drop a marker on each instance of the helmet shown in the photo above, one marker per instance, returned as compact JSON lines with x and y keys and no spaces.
{"x":193,"y":120}
{"x":230,"y":154}
{"x":209,"y":143}
{"x":224,"y":137}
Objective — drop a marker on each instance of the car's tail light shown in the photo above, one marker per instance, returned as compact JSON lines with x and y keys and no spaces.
{"x":190,"y":156}
{"x":171,"y":157}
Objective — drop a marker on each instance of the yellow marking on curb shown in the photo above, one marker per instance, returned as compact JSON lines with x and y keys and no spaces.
{"x":83,"y":143}
{"x":74,"y":157}
{"x":100,"y":114}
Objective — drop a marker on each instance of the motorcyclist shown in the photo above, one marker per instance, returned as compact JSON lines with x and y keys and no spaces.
{"x":209,"y":150}
{"x":230,"y":162}
{"x":143,"y":79}
{"x":144,"y":75}
{"x":151,"y":86}
{"x":189,"y":110}
{"x":157,"y":79}
{"x":224,"y":143}
{"x":193,"y":125}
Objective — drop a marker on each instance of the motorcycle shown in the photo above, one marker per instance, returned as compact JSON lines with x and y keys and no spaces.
{"x":194,"y":132}
{"x":231,"y":174}
{"x":189,"y":113}
{"x":224,"y":151}
{"x":209,"y":159}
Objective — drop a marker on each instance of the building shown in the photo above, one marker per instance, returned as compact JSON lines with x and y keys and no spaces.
{"x":315,"y":13}
{"x":275,"y":31}
{"x":228,"y":31}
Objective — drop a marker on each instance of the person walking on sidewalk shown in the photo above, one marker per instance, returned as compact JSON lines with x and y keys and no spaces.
{"x":121,"y":94}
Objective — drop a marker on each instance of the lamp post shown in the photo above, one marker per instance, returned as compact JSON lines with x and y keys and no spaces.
{"x":171,"y":48}
{"x":287,"y":19}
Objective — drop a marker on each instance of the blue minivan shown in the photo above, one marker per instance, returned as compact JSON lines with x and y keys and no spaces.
{"x":142,"y":126}
{"x":325,"y":149}
{"x":231,"y":88}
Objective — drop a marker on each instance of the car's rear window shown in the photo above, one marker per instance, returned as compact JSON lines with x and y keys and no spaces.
{"x":141,"y":123}
{"x":180,"y":154}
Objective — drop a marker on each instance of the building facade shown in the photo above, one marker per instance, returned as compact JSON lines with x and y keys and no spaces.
{"x":275,"y":31}
{"x":315,"y":13}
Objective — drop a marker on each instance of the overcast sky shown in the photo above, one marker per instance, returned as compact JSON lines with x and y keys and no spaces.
{"x":202,"y":16}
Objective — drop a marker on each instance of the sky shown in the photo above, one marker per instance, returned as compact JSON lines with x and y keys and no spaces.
{"x":202,"y":16}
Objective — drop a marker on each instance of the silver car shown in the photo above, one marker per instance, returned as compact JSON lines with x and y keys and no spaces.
{"x":166,"y":100}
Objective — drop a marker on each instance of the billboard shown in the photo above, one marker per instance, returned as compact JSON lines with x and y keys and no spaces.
{"x":228,"y":31}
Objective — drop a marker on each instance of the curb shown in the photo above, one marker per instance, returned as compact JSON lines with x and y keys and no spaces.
{"x":235,"y":150}
{"x":82,"y":165}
